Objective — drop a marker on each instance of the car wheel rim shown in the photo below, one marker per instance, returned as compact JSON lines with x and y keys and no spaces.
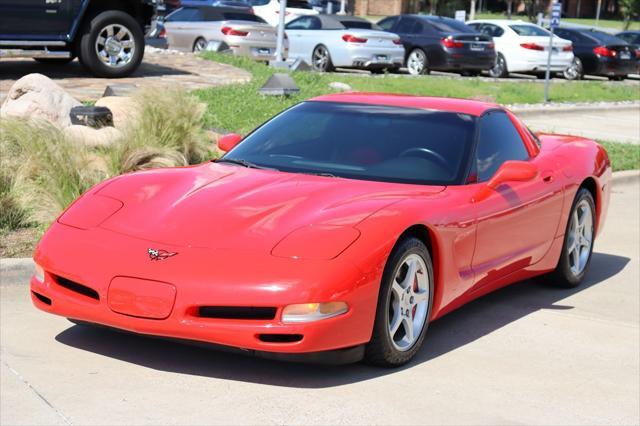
{"x":416,"y":63}
{"x":320,"y":59}
{"x":580,"y":237}
{"x":115,"y":46}
{"x":200,"y":46}
{"x":498,"y":68}
{"x":573,"y":71}
{"x":408,"y":302}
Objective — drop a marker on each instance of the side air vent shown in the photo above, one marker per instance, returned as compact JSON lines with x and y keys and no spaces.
{"x":280,"y":338}
{"x":237,"y":312}
{"x":42,"y":298}
{"x":77,"y":288}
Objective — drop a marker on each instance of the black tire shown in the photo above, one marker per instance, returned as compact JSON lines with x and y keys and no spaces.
{"x":88,"y":50}
{"x":324,"y":66}
{"x":500,"y":69}
{"x":56,"y":61}
{"x":575,"y":71}
{"x":617,"y":77}
{"x":470,"y":73}
{"x":418,"y":54}
{"x":199,"y":45}
{"x":563,"y":276}
{"x":380,"y":350}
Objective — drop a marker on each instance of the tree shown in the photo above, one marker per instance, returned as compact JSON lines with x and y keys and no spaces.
{"x":630,"y":10}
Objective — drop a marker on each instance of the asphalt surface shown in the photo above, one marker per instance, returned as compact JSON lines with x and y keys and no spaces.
{"x":525,"y":354}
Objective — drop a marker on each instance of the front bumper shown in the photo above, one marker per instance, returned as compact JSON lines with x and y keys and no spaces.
{"x":94,"y":258}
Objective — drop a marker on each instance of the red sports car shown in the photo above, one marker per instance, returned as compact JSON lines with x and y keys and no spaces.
{"x":337,"y":230}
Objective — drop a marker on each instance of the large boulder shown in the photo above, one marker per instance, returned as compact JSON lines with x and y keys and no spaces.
{"x":125,"y":110}
{"x":93,"y":138}
{"x":36,"y":96}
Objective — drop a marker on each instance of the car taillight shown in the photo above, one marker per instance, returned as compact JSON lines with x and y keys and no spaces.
{"x":603,"y":51}
{"x":532,"y":46}
{"x":162,"y":33}
{"x":233,"y":32}
{"x":353,"y":39}
{"x":638,"y":53}
{"x":568,"y":48}
{"x":397,"y":41}
{"x":449,"y":43}
{"x":492,"y":45}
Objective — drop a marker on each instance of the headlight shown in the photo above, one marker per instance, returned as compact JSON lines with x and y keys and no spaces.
{"x":90,"y":211}
{"x":306,"y":312}
{"x":39,"y":273}
{"x":316,"y":242}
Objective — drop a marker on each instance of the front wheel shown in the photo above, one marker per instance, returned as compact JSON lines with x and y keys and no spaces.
{"x":404,"y":305}
{"x":112,"y":44}
{"x":578,"y":242}
{"x":574,"y":71}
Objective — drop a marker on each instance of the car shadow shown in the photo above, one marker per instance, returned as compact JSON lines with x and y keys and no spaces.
{"x":15,"y":69}
{"x":453,"y":331}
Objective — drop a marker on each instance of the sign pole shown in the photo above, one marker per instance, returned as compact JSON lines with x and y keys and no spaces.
{"x":280,"y":45}
{"x":556,"y":8}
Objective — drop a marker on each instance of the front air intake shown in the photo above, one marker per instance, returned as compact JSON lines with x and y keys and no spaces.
{"x":77,"y":288}
{"x":237,"y":312}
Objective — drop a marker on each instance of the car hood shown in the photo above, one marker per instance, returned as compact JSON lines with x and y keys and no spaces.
{"x":225,"y":206}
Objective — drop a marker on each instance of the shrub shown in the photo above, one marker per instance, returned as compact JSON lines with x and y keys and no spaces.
{"x":12,"y":215}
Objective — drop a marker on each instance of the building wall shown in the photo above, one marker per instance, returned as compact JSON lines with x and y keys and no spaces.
{"x":385,"y":7}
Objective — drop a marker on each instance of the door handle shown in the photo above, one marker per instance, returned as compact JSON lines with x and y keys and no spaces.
{"x":548,"y":178}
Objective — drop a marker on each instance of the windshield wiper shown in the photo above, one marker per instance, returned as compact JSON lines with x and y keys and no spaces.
{"x":325,"y":174}
{"x":244,"y":163}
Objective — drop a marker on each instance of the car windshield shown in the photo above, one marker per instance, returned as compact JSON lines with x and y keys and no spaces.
{"x":529,"y":30}
{"x":357,"y":141}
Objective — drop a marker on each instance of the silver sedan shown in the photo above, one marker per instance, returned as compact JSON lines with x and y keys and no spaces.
{"x":329,"y":41}
{"x":192,"y":28}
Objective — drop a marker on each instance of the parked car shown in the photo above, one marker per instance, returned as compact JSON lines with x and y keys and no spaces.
{"x":269,"y":10}
{"x":599,"y":53}
{"x":329,"y":41}
{"x":631,"y":37}
{"x":106,"y":37}
{"x":524,"y":47}
{"x":192,"y":28}
{"x":337,"y":231}
{"x":439,"y":43}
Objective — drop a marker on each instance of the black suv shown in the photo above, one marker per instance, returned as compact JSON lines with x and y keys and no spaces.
{"x":107,"y":36}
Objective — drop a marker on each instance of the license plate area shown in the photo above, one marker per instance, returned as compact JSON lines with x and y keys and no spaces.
{"x":141,"y":298}
{"x":477,"y":47}
{"x":625,"y":55}
{"x":382,"y":58}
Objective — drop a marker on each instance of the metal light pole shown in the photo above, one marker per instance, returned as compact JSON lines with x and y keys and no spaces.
{"x":556,"y":9}
{"x":280,"y":45}
{"x":598,"y":12}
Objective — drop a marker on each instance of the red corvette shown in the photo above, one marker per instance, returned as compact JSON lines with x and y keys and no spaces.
{"x":337,"y":230}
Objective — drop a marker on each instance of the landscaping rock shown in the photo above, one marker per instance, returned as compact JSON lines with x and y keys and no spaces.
{"x":342,"y":87}
{"x":125,"y":110}
{"x":91,"y":137}
{"x":35,"y":96}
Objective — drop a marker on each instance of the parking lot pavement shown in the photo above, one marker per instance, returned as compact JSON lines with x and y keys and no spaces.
{"x":167,"y":70}
{"x":525,"y":354}
{"x":615,"y":125}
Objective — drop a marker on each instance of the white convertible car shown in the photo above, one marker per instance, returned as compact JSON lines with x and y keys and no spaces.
{"x":524,"y":47}
{"x":329,"y":41}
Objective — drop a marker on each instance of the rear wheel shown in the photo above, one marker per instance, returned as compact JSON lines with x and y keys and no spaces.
{"x":199,"y":45}
{"x":417,"y":62}
{"x":321,"y":59}
{"x":574,"y":71}
{"x":578,"y":243}
{"x":499,"y":69}
{"x":112,"y":44}
{"x":404,"y":305}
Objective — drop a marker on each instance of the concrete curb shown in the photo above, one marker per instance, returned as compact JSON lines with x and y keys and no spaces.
{"x":25,"y":265}
{"x":523,"y":111}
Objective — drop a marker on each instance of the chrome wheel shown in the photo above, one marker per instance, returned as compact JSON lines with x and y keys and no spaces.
{"x":499,"y":68}
{"x":580,"y":237}
{"x":321,"y":58}
{"x":417,"y":62}
{"x":409,"y":302}
{"x":200,"y":45}
{"x":115,"y":45}
{"x":574,"y":71}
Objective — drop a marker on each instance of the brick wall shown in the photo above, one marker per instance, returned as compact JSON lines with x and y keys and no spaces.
{"x":385,"y":7}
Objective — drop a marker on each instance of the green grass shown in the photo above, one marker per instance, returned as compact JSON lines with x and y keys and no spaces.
{"x":623,"y":156}
{"x":240,"y":108}
{"x":603,"y":23}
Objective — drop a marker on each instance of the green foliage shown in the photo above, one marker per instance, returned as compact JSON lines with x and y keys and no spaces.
{"x":630,"y":10}
{"x":623,"y":156}
{"x":12,"y":215}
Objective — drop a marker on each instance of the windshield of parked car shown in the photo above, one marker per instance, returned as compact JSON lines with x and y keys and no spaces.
{"x":357,"y":141}
{"x":448,"y":25}
{"x":529,"y":30}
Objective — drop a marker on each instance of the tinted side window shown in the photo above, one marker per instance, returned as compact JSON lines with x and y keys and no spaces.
{"x":388,"y":23}
{"x":406,"y":26}
{"x":240,"y":16}
{"x":498,"y":141}
{"x":211,"y":15}
{"x":492,"y":30}
{"x":304,"y":23}
{"x":186,"y":14}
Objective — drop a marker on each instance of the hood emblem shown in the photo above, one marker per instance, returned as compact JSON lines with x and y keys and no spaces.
{"x":155,"y":254}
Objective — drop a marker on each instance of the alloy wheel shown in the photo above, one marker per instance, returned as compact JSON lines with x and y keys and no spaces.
{"x":574,"y":71}
{"x":580,"y":237}
{"x":200,"y":45}
{"x":320,"y":58}
{"x":498,"y":68}
{"x":115,"y":45}
{"x":408,"y":302}
{"x":416,"y":62}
